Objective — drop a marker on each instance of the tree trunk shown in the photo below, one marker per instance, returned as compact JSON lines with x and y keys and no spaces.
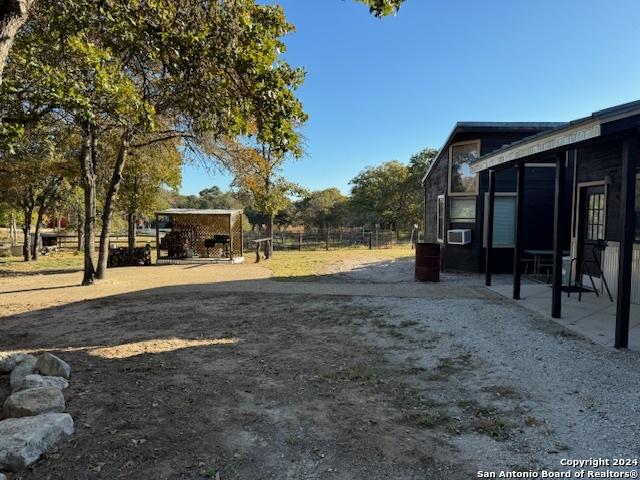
{"x":26,"y":230}
{"x":14,"y":15}
{"x":79,"y":228}
{"x":87,"y":167}
{"x":36,"y":237}
{"x":131,"y":221}
{"x":109,"y":202}
{"x":13,"y":230}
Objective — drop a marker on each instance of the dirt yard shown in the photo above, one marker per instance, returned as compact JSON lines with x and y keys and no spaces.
{"x":354,"y":372}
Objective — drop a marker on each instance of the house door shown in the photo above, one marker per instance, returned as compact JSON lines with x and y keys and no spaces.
{"x":592,"y":225}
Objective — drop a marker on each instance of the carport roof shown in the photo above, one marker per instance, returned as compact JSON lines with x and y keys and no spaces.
{"x":568,"y":133}
{"x":196,"y":211}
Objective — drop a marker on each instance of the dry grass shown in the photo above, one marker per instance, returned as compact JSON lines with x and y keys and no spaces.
{"x":53,"y":263}
{"x":284,"y":265}
{"x":291,"y":264}
{"x":486,"y":420}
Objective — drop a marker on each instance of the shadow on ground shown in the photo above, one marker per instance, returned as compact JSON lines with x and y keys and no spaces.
{"x":228,"y":379}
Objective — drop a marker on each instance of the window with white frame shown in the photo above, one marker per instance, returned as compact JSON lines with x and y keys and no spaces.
{"x":504,"y":219}
{"x":462,"y":210}
{"x":440,"y":219}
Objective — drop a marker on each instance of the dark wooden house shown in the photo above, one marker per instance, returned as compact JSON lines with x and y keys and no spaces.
{"x":454,"y":197}
{"x":595,"y":165}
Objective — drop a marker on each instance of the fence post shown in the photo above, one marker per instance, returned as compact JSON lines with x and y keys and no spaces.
{"x":300,"y":241}
{"x":370,"y":240}
{"x":327,"y":239}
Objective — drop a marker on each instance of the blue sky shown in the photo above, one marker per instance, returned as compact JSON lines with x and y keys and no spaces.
{"x":379,"y":90}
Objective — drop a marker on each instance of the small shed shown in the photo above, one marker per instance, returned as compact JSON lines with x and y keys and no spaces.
{"x":199,"y":236}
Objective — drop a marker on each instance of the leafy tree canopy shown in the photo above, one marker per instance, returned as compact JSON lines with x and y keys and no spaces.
{"x":381,"y":8}
{"x":323,"y":208}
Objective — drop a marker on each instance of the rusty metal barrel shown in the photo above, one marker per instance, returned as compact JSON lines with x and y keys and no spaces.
{"x":428,"y":262}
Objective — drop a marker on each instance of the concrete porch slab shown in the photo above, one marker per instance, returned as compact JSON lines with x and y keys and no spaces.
{"x":593,"y":317}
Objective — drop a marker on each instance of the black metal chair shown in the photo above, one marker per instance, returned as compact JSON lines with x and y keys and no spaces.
{"x":585,"y":266}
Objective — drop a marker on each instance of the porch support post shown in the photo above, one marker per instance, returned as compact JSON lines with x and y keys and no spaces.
{"x":558,"y":227}
{"x":488,"y":264}
{"x":627,"y":222}
{"x":517,"y":248}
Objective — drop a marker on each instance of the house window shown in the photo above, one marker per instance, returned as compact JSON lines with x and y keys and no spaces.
{"x":440,"y":218}
{"x":461,"y":179}
{"x":504,"y":219}
{"x":595,"y":216}
{"x":462,"y":210}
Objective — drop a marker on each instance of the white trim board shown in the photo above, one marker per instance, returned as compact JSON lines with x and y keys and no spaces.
{"x":545,"y":143}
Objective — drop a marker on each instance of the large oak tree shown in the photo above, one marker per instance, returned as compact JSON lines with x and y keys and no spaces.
{"x":14,"y":14}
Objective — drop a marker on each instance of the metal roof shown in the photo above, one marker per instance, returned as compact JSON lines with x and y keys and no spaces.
{"x":196,"y":211}
{"x":570,"y":132}
{"x":462,"y":127}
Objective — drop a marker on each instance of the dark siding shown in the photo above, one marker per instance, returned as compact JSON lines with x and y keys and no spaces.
{"x":435,"y":184}
{"x":594,"y":164}
{"x":538,"y":211}
{"x":470,"y":258}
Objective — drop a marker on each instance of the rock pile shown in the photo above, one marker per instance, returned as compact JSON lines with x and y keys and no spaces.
{"x":33,"y":418}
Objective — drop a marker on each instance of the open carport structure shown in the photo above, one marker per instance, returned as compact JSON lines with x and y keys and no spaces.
{"x":199,"y":236}
{"x":600,"y":222}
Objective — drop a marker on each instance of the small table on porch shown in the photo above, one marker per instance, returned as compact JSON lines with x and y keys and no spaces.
{"x":538,"y":257}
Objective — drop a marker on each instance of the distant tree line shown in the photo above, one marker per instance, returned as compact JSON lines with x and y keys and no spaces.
{"x":388,"y":195}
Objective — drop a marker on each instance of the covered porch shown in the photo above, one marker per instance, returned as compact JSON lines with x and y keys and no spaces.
{"x":594,"y":224}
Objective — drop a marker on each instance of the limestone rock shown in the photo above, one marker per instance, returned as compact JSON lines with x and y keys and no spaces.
{"x":25,"y":367}
{"x":35,"y":381}
{"x":33,"y":401}
{"x":51,"y":365}
{"x":23,"y":440}
{"x":7,"y":363}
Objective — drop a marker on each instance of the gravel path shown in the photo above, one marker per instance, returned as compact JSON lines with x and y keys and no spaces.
{"x":562,"y":395}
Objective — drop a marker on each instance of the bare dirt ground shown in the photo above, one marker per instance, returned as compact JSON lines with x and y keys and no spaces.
{"x":220,"y":372}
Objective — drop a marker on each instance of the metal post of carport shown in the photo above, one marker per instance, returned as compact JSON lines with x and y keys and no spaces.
{"x":231,"y":237}
{"x":157,"y":237}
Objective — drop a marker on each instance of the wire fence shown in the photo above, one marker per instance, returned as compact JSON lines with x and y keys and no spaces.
{"x":282,"y":240}
{"x":327,"y":240}
{"x":69,"y":243}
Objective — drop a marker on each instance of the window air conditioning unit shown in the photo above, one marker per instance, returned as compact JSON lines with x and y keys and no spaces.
{"x":459,"y":236}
